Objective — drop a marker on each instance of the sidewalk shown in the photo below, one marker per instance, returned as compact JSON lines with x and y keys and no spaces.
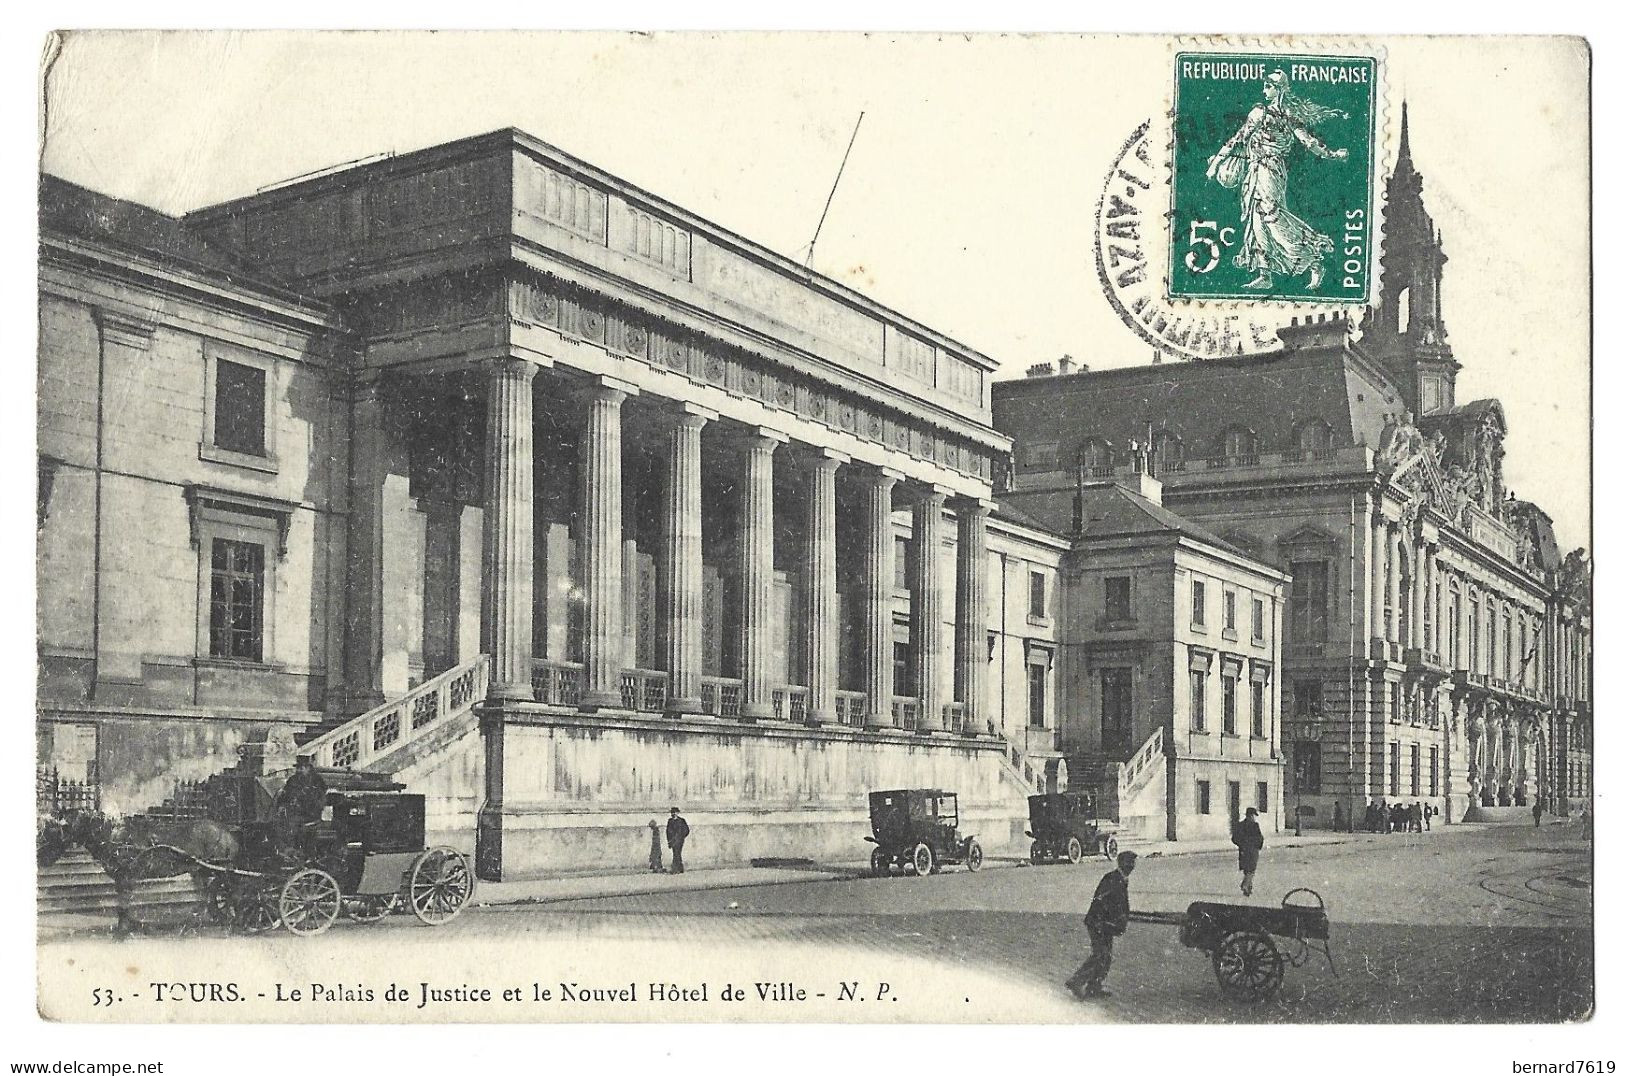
{"x":641,"y":883}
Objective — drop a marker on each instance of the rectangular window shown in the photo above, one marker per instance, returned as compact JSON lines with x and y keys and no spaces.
{"x":1228,"y":683}
{"x":236,"y":600}
{"x":1116,"y":711}
{"x":1506,"y":650}
{"x":1204,"y":798}
{"x":1433,"y":771}
{"x":1230,"y":611}
{"x":1234,"y":788}
{"x":1258,"y":620}
{"x":1198,"y":603}
{"x":1199,"y":700}
{"x":1117,"y":598}
{"x":1264,"y":798}
{"x":1307,"y":700}
{"x":1306,"y":767}
{"x":1037,"y":694}
{"x":1037,"y":598}
{"x":1258,"y":709}
{"x":900,"y":563}
{"x":902,"y":669}
{"x":1472,"y":634}
{"x":1396,"y":704}
{"x":1393,"y":769}
{"x":1309,"y":601}
{"x":1416,"y":769}
{"x":239,"y":408}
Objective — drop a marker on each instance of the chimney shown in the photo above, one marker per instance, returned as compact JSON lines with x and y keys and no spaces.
{"x":1066,"y":364}
{"x":1040,"y":369}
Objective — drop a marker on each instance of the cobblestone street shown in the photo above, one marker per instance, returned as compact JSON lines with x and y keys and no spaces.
{"x":1470,"y":924}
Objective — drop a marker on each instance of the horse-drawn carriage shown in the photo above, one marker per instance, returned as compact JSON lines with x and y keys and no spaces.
{"x":297,"y":854}
{"x":1241,"y":940}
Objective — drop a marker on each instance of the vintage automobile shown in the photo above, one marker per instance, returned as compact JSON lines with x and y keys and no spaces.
{"x":918,"y":829}
{"x":1064,"y":824}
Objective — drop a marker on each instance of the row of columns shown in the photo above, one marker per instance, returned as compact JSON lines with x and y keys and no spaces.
{"x":509,"y":521}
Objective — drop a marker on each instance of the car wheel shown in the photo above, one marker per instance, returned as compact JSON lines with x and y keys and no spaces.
{"x":924,"y":861}
{"x":1108,"y":847}
{"x":973,"y":856}
{"x":1074,"y":850}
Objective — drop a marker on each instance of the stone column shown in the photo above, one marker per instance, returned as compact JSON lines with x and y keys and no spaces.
{"x":509,"y":522}
{"x":600,"y":456}
{"x":1379,"y":578}
{"x":823,"y":630}
{"x":1393,"y":583}
{"x":682,"y":562}
{"x":756,"y":573}
{"x":1414,"y":614}
{"x":364,"y":563}
{"x":970,"y":614}
{"x":926,"y":608}
{"x":879,"y":552}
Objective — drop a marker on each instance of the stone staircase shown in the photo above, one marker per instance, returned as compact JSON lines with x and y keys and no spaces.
{"x":1132,"y":793}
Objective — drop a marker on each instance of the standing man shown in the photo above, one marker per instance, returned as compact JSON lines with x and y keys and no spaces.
{"x":1106,"y":919}
{"x":657,"y":862}
{"x":1538,"y":811}
{"x":676,"y":834}
{"x":1249,"y":840}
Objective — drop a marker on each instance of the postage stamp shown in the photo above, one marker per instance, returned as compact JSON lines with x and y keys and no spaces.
{"x":1273,"y":177}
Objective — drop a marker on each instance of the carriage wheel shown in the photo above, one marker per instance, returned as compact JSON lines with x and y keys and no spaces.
{"x":1074,"y":850}
{"x":879,"y":863}
{"x":1248,"y":966}
{"x":310,"y":902}
{"x":1037,"y":854}
{"x":924,"y":861}
{"x":1108,"y":847}
{"x":254,"y":908}
{"x":973,"y":856}
{"x":369,"y":909}
{"x":438,"y":885}
{"x":219,"y":904}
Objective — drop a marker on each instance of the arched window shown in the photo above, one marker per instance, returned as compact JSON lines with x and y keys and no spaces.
{"x":1169,"y":450}
{"x":1240,"y":444}
{"x":1404,"y":304}
{"x":1096,"y":458}
{"x":1315,"y":436}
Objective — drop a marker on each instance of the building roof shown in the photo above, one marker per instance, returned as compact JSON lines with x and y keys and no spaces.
{"x":1109,"y":511}
{"x":1272,"y":395}
{"x":78,"y":212}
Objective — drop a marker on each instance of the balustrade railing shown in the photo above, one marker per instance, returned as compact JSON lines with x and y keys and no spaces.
{"x":644,"y":690}
{"x":905,"y":711}
{"x":557,"y":683}
{"x":953,"y":718}
{"x":851,"y":708}
{"x":377,"y":732}
{"x":719,"y":695}
{"x":790,"y":704}
{"x":55,"y":794}
{"x":1133,"y":774}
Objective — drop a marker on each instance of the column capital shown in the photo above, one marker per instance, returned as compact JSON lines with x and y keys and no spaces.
{"x":510,"y":365}
{"x":818,"y":455}
{"x":768,"y":433}
{"x":691,"y":414}
{"x":877,"y":475}
{"x":930,"y":491}
{"x":969,"y":504}
{"x":604,"y":385}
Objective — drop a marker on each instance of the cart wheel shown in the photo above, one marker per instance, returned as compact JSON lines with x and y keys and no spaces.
{"x":1108,"y":847}
{"x":310,"y":902}
{"x":1248,"y":966}
{"x":218,"y":903}
{"x":922,"y":858}
{"x":1074,"y":850}
{"x":1037,"y":854}
{"x":438,"y":885}
{"x":973,"y":855}
{"x":254,"y":908}
{"x":369,"y":909}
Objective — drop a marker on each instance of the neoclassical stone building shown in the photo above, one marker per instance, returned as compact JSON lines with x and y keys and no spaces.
{"x":1437,"y":643}
{"x":482,"y":467}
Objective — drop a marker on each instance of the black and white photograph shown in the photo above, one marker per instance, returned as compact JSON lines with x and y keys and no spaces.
{"x":733,"y":527}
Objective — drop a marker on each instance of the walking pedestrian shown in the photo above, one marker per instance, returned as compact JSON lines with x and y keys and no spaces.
{"x":1427,"y":816}
{"x":1537,"y":810}
{"x":1105,"y":921}
{"x":1249,"y":840}
{"x":1337,"y":817}
{"x":676,"y":834}
{"x":1416,"y":818}
{"x":657,"y":861}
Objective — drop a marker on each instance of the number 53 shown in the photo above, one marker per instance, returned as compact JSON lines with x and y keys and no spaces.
{"x":1212,"y":240}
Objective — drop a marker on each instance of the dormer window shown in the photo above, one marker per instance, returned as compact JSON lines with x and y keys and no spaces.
{"x":1096,"y":458}
{"x":1315,"y":435}
{"x":1240,"y":444}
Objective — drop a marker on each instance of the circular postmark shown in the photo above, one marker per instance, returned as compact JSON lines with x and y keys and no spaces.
{"x":1130,"y":254}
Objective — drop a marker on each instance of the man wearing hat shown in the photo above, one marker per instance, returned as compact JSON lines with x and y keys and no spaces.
{"x":301,"y":800}
{"x":676,"y":834}
{"x":1249,"y":840}
{"x":1106,"y":919}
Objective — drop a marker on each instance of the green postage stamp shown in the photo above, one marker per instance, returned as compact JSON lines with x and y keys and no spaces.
{"x":1273,"y":177}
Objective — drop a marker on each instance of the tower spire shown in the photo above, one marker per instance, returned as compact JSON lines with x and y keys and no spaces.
{"x":1403,"y":165}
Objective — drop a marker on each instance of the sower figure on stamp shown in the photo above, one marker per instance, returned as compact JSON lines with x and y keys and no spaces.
{"x":1106,"y":919}
{"x":1275,"y":239}
{"x":1249,"y":840}
{"x":676,"y":834}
